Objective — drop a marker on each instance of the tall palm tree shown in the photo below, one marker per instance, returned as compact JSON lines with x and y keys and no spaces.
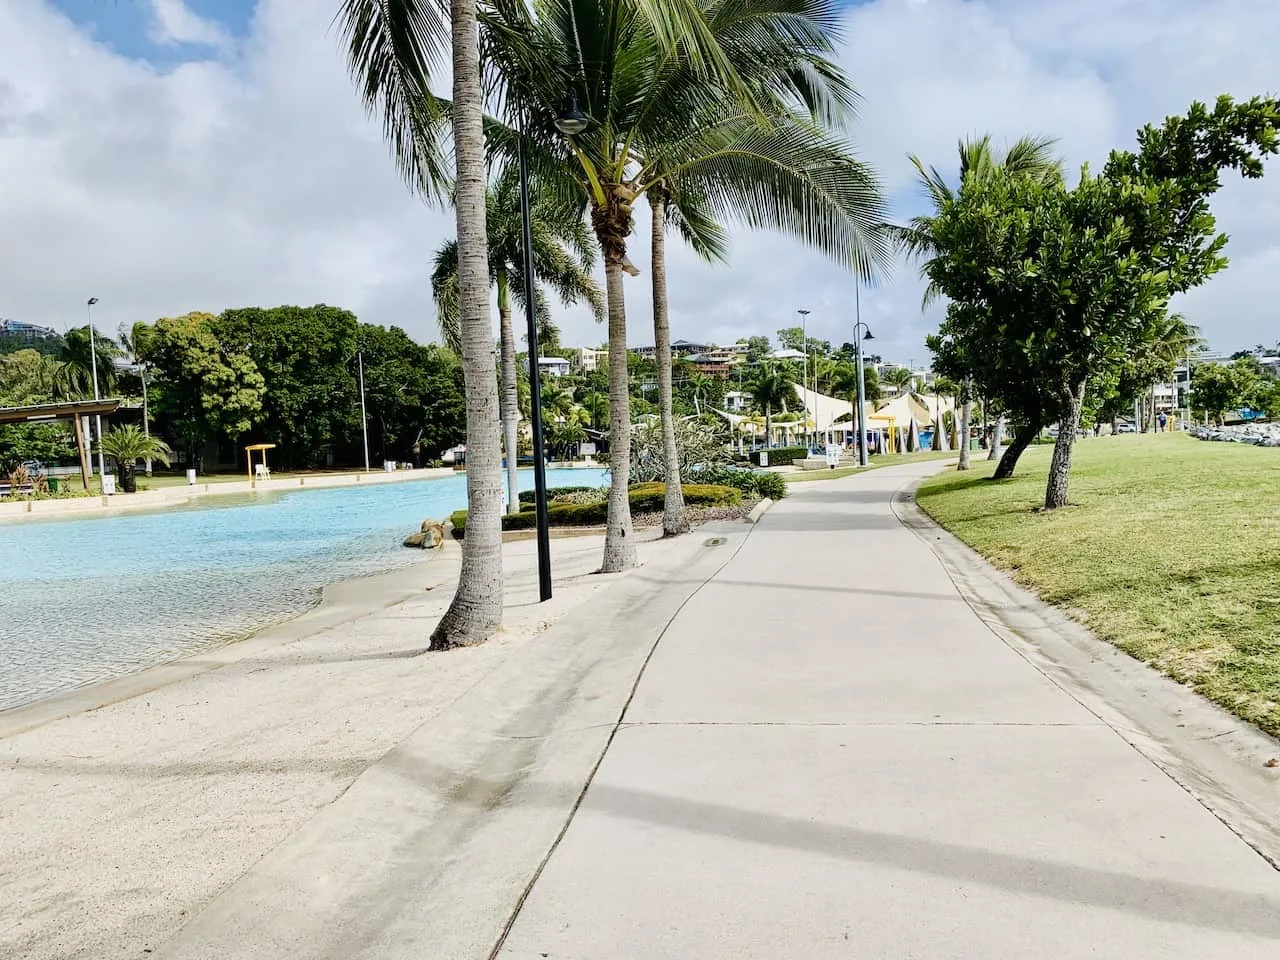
{"x":669,"y":109}
{"x":844,"y":381}
{"x":771,"y":386}
{"x":393,"y":47}
{"x":76,"y":355}
{"x":900,"y":378}
{"x":133,"y":341}
{"x":563,"y":256}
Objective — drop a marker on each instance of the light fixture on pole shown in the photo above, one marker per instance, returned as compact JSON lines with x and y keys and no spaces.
{"x":93,"y":363}
{"x":364,"y":416}
{"x":804,"y":376}
{"x":571,"y":121}
{"x":860,"y":332}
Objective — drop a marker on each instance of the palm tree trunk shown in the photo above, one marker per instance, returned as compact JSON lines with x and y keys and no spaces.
{"x":997,"y":439}
{"x":510,"y":402}
{"x":674,"y":522}
{"x":966,"y":412}
{"x":1021,"y":440}
{"x":1056,"y":489}
{"x":619,"y":542}
{"x":146,"y":419}
{"x":476,"y":610}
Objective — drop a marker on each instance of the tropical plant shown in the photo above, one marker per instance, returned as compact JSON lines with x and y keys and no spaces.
{"x":76,"y":366}
{"x":126,"y":444}
{"x":698,"y":446}
{"x":772,"y":387}
{"x":900,"y":378}
{"x":393,"y":46}
{"x":563,"y":256}
{"x":669,"y":109}
{"x":133,"y":344}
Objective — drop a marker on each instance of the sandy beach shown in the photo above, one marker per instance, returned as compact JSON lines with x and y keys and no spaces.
{"x":129,"y":806}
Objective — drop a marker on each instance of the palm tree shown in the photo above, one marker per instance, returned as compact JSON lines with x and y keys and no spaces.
{"x":563,"y":256}
{"x":75,"y":374}
{"x":670,"y":109}
{"x":392,"y":48}
{"x":133,"y":341}
{"x":844,"y":381}
{"x":771,"y":387}
{"x":902,"y":379}
{"x":126,"y":444}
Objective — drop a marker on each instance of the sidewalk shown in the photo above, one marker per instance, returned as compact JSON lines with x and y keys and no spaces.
{"x":830,"y":755}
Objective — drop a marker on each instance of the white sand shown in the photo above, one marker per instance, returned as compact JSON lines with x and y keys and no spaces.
{"x":118,"y":823}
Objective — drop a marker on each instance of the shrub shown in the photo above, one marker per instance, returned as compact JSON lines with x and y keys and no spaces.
{"x":698,"y":444}
{"x":645,"y":498}
{"x":553,"y":493}
{"x":780,"y":456}
{"x":759,"y":483}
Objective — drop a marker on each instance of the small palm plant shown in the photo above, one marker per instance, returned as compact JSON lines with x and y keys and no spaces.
{"x":127,"y":445}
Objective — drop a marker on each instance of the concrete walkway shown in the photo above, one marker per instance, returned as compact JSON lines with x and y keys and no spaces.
{"x":830,"y":755}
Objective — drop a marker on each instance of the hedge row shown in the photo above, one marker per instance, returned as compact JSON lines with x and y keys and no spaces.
{"x":759,"y":483}
{"x":645,"y":498}
{"x":527,"y":496}
{"x":780,"y":456}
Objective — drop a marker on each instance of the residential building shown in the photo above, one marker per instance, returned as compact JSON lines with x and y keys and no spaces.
{"x":29,"y":332}
{"x":553,"y":366}
{"x":590,"y":358}
{"x":737,"y":401}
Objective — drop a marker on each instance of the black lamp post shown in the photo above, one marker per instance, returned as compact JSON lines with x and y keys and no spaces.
{"x":860,"y":332}
{"x":535,"y":383}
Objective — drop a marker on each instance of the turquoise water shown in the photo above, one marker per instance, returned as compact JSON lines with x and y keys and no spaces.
{"x":88,"y":599}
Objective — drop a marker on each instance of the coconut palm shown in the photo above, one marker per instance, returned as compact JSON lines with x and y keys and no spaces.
{"x":901,"y":379}
{"x":126,"y":444}
{"x":843,"y":380}
{"x":76,"y":355}
{"x":563,"y":256}
{"x":772,"y":386}
{"x":133,"y":342}
{"x":679,"y":117}
{"x":393,"y":46}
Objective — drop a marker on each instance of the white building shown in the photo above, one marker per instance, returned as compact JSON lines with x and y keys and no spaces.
{"x":737,"y":401}
{"x":553,"y":366}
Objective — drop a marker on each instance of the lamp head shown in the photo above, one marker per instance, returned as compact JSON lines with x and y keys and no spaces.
{"x":867,"y":335}
{"x":571,"y":120}
{"x":92,"y":301}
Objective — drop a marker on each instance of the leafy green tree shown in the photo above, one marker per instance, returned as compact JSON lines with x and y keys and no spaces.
{"x":1215,"y":388}
{"x":758,"y":348}
{"x":1076,"y":278}
{"x":205,"y":388}
{"x":563,"y":256}
{"x":126,"y":445}
{"x":306,"y":357}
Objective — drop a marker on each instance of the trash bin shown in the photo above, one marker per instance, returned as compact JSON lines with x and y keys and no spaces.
{"x":53,"y":484}
{"x":191,"y":478}
{"x":108,"y":484}
{"x":764,"y":458}
{"x":389,"y":466}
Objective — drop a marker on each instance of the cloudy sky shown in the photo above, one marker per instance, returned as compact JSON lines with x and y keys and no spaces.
{"x":176,"y":155}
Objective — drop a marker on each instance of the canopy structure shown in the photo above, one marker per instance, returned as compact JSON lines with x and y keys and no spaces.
{"x":73,"y":410}
{"x":262,"y":448}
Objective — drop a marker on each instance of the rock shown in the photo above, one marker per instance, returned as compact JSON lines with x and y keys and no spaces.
{"x":433,"y":532}
{"x":416,"y":540}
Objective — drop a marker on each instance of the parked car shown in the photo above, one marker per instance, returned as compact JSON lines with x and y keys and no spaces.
{"x":1125,"y":428}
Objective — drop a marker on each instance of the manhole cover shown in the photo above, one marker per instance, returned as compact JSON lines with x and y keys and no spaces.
{"x":714,"y":542}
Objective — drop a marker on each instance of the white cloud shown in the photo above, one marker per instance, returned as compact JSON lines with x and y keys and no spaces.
{"x":253,"y":177}
{"x":173,"y":22}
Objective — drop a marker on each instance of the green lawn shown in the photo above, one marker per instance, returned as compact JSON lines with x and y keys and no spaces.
{"x":887,"y":460}
{"x":1170,"y":550}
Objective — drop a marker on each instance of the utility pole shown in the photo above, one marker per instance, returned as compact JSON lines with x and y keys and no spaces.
{"x":364,"y":416}
{"x":93,"y":362}
{"x":804,"y":376}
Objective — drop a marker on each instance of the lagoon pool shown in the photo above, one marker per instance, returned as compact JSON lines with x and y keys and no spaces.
{"x":89,"y":599}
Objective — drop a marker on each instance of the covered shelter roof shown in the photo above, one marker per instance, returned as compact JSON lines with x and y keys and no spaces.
{"x":58,"y":411}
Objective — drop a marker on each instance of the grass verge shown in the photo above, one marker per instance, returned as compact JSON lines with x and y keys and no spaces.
{"x":1170,"y":550}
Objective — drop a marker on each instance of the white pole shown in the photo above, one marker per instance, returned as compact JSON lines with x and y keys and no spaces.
{"x":364,"y":417}
{"x":93,"y":362}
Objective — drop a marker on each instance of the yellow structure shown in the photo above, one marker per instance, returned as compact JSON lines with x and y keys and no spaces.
{"x":258,"y":448}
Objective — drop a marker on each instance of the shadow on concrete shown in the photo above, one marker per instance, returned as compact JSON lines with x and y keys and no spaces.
{"x":1166,"y":901}
{"x":799,"y":521}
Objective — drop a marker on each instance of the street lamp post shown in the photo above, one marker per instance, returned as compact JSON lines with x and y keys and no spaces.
{"x":93,"y":363}
{"x":860,"y":332}
{"x":804,"y":376}
{"x":364,"y":416}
